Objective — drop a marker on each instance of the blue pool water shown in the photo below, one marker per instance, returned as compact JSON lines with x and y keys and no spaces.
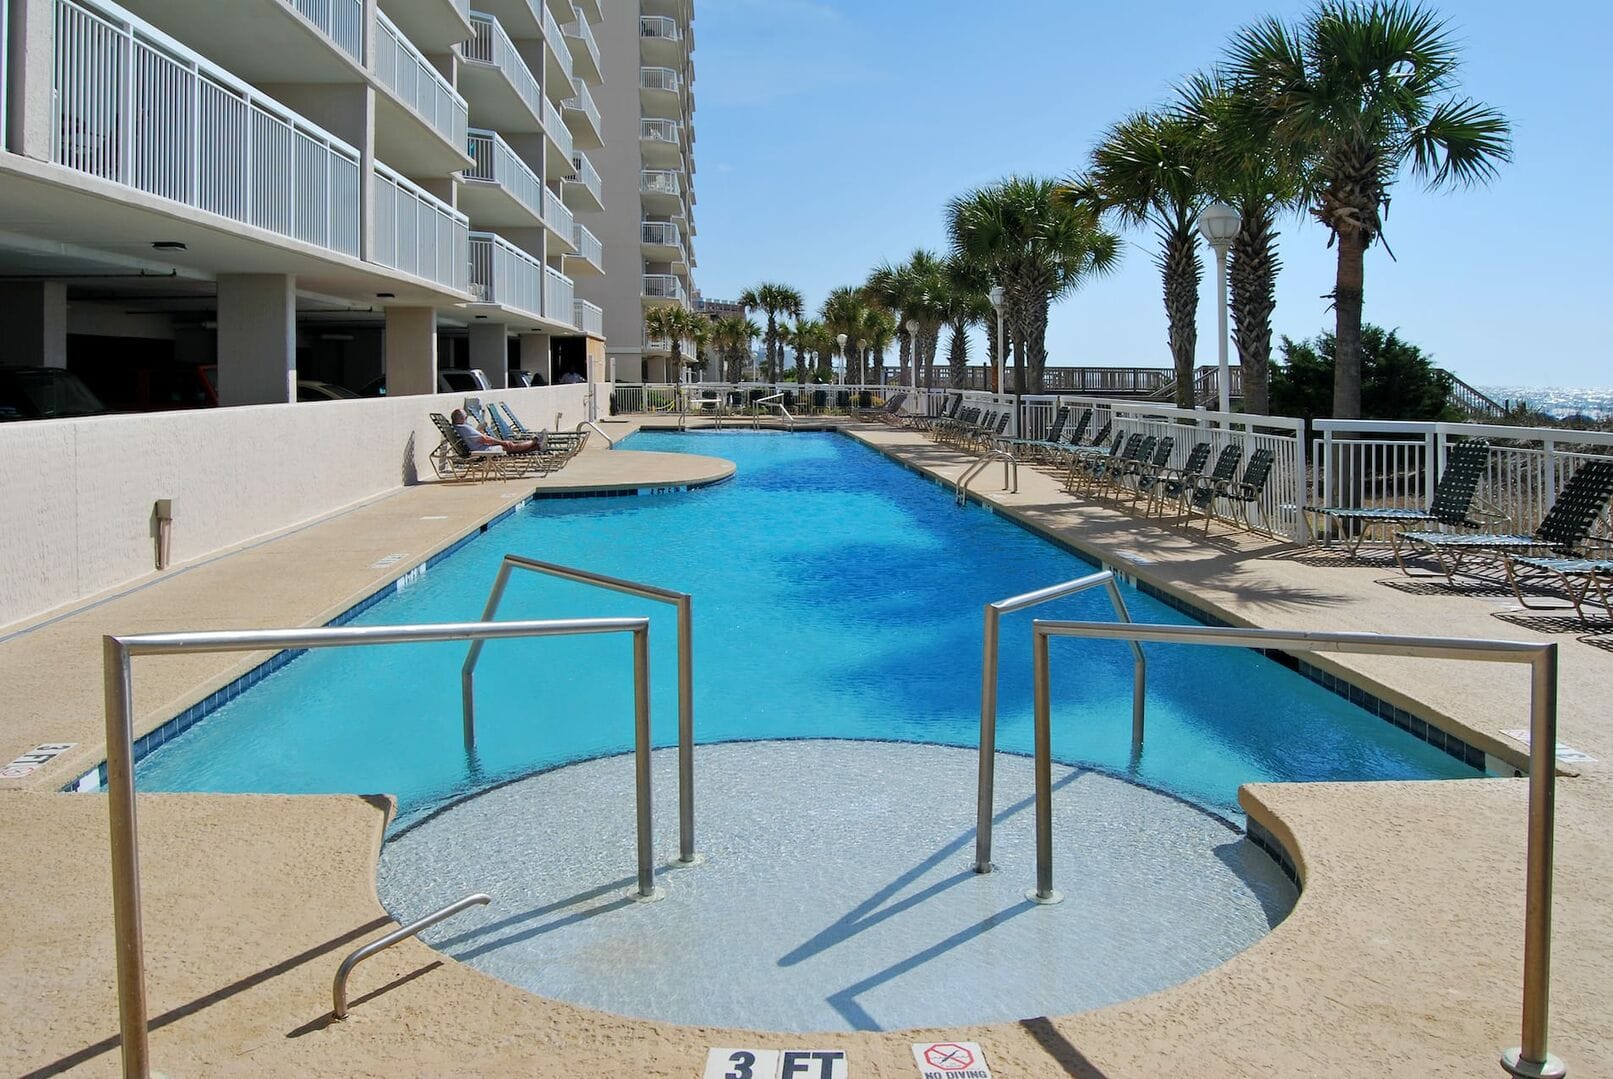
{"x":836,"y":595}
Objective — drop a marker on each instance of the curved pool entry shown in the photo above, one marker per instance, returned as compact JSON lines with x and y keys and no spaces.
{"x":838,"y":890}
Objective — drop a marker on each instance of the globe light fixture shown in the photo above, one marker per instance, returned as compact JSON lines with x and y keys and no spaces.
{"x":840,"y":340}
{"x":997,"y":294}
{"x":1219,"y":223}
{"x":913,"y":337}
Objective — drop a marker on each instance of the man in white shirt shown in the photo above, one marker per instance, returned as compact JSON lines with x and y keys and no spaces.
{"x":478,"y":442}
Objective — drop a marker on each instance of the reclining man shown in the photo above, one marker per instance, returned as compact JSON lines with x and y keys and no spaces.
{"x":475,"y":440}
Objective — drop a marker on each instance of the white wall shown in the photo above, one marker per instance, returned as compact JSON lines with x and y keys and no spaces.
{"x":76,"y":496}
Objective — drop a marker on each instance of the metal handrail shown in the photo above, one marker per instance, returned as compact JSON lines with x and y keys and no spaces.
{"x":988,"y":690}
{"x":338,"y":989}
{"x":777,"y":401}
{"x":118,"y":650}
{"x":1010,"y":467}
{"x":609,"y":441}
{"x":1531,"y":1058}
{"x":685,"y":607}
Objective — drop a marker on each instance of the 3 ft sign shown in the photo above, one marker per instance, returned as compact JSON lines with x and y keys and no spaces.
{"x":777,"y":1064}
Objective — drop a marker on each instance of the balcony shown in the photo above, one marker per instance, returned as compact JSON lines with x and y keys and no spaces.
{"x":591,"y":10}
{"x":503,"y":274}
{"x":502,"y":92}
{"x":588,"y":318}
{"x":660,"y":93}
{"x":583,"y":117}
{"x":582,"y":188}
{"x":664,"y":288}
{"x":560,"y":144}
{"x":660,"y":143}
{"x":584,"y":52}
{"x":661,"y":241}
{"x":557,"y":54}
{"x":434,"y":25}
{"x":590,"y":256}
{"x":499,"y":190}
{"x":317,"y":41}
{"x":559,"y":300}
{"x":421,"y":101}
{"x":134,"y":107}
{"x":660,"y":39}
{"x":418,"y":233}
{"x":557,"y":216}
{"x":661,"y":191}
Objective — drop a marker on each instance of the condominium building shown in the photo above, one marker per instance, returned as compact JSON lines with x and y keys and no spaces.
{"x":328,"y":189}
{"x":652,"y":172}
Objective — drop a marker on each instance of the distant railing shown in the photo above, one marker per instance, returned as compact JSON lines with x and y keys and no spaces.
{"x":659,"y":78}
{"x":405,"y":70}
{"x":496,"y":163}
{"x":493,"y":46}
{"x":660,"y":233}
{"x":659,"y":26}
{"x":582,"y":101}
{"x":555,"y":39}
{"x":133,"y":106}
{"x":587,"y":244}
{"x":502,"y":273}
{"x":418,"y":233}
{"x":1473,"y":403}
{"x":577,"y":30}
{"x":558,"y":300}
{"x":583,"y":172}
{"x":557,"y":215}
{"x":554,"y":125}
{"x":588,"y":317}
{"x":341,"y":20}
{"x":1116,"y":381}
{"x":660,"y":131}
{"x":660,"y":182}
{"x":663,"y":286}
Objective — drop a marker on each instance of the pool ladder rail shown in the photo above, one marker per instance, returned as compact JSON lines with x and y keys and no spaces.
{"x":338,"y":989}
{"x":1010,"y":473}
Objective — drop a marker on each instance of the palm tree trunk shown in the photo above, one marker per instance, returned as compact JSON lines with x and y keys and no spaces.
{"x":1036,"y":340}
{"x":991,"y":347}
{"x":1347,"y":298}
{"x":1181,"y":269}
{"x":1252,"y":272}
{"x":958,"y":354}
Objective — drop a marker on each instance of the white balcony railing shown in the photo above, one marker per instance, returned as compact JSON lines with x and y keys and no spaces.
{"x":660,"y":233}
{"x":556,"y":214}
{"x":493,"y":46}
{"x":660,"y":182}
{"x":556,"y":128}
{"x":405,"y":71}
{"x":663,"y":286}
{"x":502,"y":273}
{"x":497,"y":164}
{"x":582,"y":101}
{"x":577,"y":30}
{"x":658,"y":78}
{"x":341,"y":20}
{"x":588,"y":245}
{"x":558,"y":300}
{"x":556,"y":40}
{"x":418,"y":233}
{"x":588,"y":317}
{"x":583,"y":172}
{"x":659,"y":131}
{"x":659,"y":26}
{"x":135,"y":107}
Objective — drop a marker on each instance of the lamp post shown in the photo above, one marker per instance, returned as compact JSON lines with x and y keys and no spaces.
{"x":1002,"y":350}
{"x":913,"y":352}
{"x":1220,"y":223}
{"x":840,"y":339}
{"x":862,"y":357}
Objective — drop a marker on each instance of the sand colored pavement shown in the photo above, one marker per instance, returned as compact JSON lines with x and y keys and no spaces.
{"x":1403,"y":955}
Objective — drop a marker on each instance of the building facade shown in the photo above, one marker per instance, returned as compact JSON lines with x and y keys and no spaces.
{"x":344,"y":190}
{"x":650,"y":254}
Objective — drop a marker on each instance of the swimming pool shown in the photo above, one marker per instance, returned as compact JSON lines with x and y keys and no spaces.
{"x":836,"y":595}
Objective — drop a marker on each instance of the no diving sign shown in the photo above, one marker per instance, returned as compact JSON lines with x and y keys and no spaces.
{"x":776,"y":1064}
{"x":951,"y":1060}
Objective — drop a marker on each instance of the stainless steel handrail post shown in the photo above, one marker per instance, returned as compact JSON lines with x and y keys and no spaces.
{"x":338,"y":988}
{"x":641,"y":762}
{"x":988,"y":690}
{"x":609,"y":441}
{"x":685,"y":607}
{"x":117,"y":651}
{"x":1531,"y":1059}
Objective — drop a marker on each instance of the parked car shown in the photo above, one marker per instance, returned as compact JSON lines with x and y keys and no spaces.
{"x":44,"y":393}
{"x":449,"y":380}
{"x":309,"y":390}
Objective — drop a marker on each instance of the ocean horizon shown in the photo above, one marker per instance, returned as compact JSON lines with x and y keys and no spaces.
{"x":1558,"y":401}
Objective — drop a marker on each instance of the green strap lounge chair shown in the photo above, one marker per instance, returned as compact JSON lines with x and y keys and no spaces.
{"x":1562,"y":534}
{"x":1171,"y":484}
{"x":1106,"y":473}
{"x":1082,"y":464}
{"x":1201,"y":489}
{"x":1066,"y":453}
{"x":1577,"y":577}
{"x":1026,"y":448}
{"x":1140,"y":471}
{"x":1243,"y":494}
{"x":1451,"y":504}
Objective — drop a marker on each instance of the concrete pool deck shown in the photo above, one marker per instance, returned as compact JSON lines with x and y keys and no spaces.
{"x":1403,"y":953}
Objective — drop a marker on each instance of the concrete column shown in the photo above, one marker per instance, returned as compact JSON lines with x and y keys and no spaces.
{"x":490,"y":352}
{"x":31,"y":51}
{"x":535,"y":355}
{"x":411,"y":350}
{"x":257,"y":339}
{"x":33,"y":324}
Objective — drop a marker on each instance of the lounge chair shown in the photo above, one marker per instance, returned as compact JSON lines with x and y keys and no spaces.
{"x":1577,"y":576}
{"x":1105,"y":472}
{"x":1171,"y":484}
{"x":1451,"y":504}
{"x":1065,"y":454}
{"x":1026,"y":447}
{"x":1082,"y":463}
{"x":1242,"y":493}
{"x":1148,"y":465}
{"x":1562,"y":534}
{"x":454,"y":460}
{"x":565,"y":444}
{"x":864,"y":410}
{"x":949,"y":408}
{"x":1200,"y":488}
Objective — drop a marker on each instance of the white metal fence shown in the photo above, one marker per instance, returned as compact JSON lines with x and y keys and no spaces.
{"x":496,"y":163}
{"x":341,"y":20}
{"x":493,"y":46}
{"x":558,"y":299}
{"x":577,"y":30}
{"x":557,"y":215}
{"x":658,"y":78}
{"x":555,"y":39}
{"x":583,"y":172}
{"x":554,"y":125}
{"x":1395,"y":463}
{"x":405,"y":71}
{"x":582,"y":101}
{"x":135,"y":107}
{"x":588,"y":245}
{"x":502,"y":273}
{"x":418,"y":233}
{"x":588,"y":317}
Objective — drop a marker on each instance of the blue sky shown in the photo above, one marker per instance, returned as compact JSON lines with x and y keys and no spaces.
{"x":831,"y":134}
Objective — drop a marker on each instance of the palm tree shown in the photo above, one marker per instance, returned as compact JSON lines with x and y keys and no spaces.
{"x":732,"y":337}
{"x":843,"y":312}
{"x":774,"y":300}
{"x":1364,"y":90}
{"x":911,"y":291}
{"x":1244,"y":166}
{"x":875,"y":332}
{"x":964,"y":302}
{"x":803,"y":337}
{"x":1144,"y":172}
{"x":1037,"y":248}
{"x":673,"y":324}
